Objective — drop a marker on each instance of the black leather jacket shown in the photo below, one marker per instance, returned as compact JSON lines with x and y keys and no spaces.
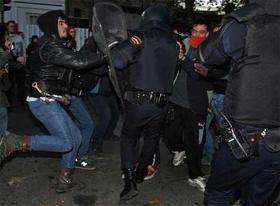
{"x":53,"y":64}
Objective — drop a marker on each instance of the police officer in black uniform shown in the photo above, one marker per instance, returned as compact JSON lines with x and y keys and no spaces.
{"x":150,"y":83}
{"x":247,"y":161}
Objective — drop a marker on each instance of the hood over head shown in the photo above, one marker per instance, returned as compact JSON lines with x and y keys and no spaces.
{"x":48,"y":22}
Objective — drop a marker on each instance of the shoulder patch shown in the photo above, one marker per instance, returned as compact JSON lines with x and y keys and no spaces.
{"x":135,"y":40}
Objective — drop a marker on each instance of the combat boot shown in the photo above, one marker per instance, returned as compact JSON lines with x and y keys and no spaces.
{"x":130,"y":188}
{"x":10,"y":143}
{"x":141,"y":173}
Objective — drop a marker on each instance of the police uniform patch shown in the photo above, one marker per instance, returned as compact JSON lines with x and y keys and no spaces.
{"x":135,"y":40}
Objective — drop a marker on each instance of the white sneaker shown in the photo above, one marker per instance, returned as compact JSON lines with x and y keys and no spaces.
{"x":178,"y":158}
{"x":198,"y":182}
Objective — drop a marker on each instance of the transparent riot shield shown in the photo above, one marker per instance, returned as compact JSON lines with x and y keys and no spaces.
{"x":108,"y":28}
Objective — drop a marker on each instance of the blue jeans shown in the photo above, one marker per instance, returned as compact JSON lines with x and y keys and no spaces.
{"x":84,"y":122}
{"x":3,"y":120}
{"x":64,"y":136}
{"x":217,"y":106}
{"x":255,"y":178}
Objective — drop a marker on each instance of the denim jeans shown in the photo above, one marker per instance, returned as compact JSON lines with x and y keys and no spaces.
{"x":64,"y":136}
{"x":3,"y":120}
{"x":217,"y":106}
{"x":84,"y":122}
{"x":255,"y":178}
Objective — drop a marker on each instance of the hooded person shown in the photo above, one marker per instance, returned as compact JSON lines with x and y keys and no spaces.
{"x":49,"y":84}
{"x":247,"y":161}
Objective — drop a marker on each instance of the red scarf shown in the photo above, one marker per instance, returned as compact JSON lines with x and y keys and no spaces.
{"x":195,"y":41}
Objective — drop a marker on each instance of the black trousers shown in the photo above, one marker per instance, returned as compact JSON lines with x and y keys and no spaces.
{"x":17,"y":90}
{"x":182,"y":134}
{"x":146,"y":118}
{"x":255,"y":179}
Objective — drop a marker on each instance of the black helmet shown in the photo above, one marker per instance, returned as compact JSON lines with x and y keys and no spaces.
{"x":156,"y":13}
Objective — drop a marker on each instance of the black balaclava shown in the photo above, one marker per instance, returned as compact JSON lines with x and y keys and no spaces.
{"x":156,"y":16}
{"x":48,"y":22}
{"x":271,"y":7}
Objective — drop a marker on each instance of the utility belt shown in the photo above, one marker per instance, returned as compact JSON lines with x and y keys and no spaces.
{"x":146,"y":97}
{"x":244,"y":142}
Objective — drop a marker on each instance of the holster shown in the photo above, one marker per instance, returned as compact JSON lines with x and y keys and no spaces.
{"x":242,"y":140}
{"x":272,"y":139}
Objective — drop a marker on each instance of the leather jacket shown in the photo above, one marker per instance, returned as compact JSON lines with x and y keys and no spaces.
{"x":53,"y":64}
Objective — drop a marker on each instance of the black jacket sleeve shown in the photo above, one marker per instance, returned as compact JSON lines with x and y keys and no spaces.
{"x":55,"y":53}
{"x":223,"y":45}
{"x":217,"y":73}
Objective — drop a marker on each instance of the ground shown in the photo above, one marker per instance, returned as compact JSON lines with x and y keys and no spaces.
{"x":28,"y":179}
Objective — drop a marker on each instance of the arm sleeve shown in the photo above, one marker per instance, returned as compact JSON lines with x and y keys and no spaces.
{"x":233,"y":40}
{"x":224,"y":45}
{"x":217,"y":73}
{"x":57,"y":54}
{"x":126,"y":53}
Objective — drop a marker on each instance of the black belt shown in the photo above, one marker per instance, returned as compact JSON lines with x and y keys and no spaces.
{"x":141,"y":97}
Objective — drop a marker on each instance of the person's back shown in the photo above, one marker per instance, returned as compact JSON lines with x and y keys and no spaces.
{"x":155,"y":68}
{"x":253,"y":83}
{"x":151,"y":78}
{"x":248,"y":156}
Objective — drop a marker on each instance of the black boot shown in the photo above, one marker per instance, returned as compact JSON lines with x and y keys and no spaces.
{"x":141,"y":173}
{"x":130,"y":188}
{"x":65,"y":182}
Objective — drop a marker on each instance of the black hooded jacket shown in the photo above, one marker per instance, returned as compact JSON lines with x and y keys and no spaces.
{"x":53,"y":63}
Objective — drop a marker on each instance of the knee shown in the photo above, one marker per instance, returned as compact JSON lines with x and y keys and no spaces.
{"x":88,"y":124}
{"x":68,"y":146}
{"x":73,"y":142}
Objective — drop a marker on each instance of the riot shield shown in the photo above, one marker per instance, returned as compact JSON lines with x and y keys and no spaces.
{"x":108,"y":27}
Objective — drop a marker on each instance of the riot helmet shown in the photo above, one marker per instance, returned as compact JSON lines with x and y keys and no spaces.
{"x":157,"y":16}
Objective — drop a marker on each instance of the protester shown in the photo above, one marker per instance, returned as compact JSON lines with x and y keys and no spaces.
{"x":16,"y":93}
{"x":30,"y":50}
{"x":49,"y":88}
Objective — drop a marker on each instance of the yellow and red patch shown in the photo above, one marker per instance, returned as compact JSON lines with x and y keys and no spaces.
{"x":135,"y":40}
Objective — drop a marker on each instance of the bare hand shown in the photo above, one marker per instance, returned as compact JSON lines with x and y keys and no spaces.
{"x":3,"y":71}
{"x":21,"y":59}
{"x":200,"y":69}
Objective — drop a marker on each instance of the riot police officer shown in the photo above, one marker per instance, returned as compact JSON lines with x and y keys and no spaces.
{"x":150,"y":83}
{"x":247,"y":161}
